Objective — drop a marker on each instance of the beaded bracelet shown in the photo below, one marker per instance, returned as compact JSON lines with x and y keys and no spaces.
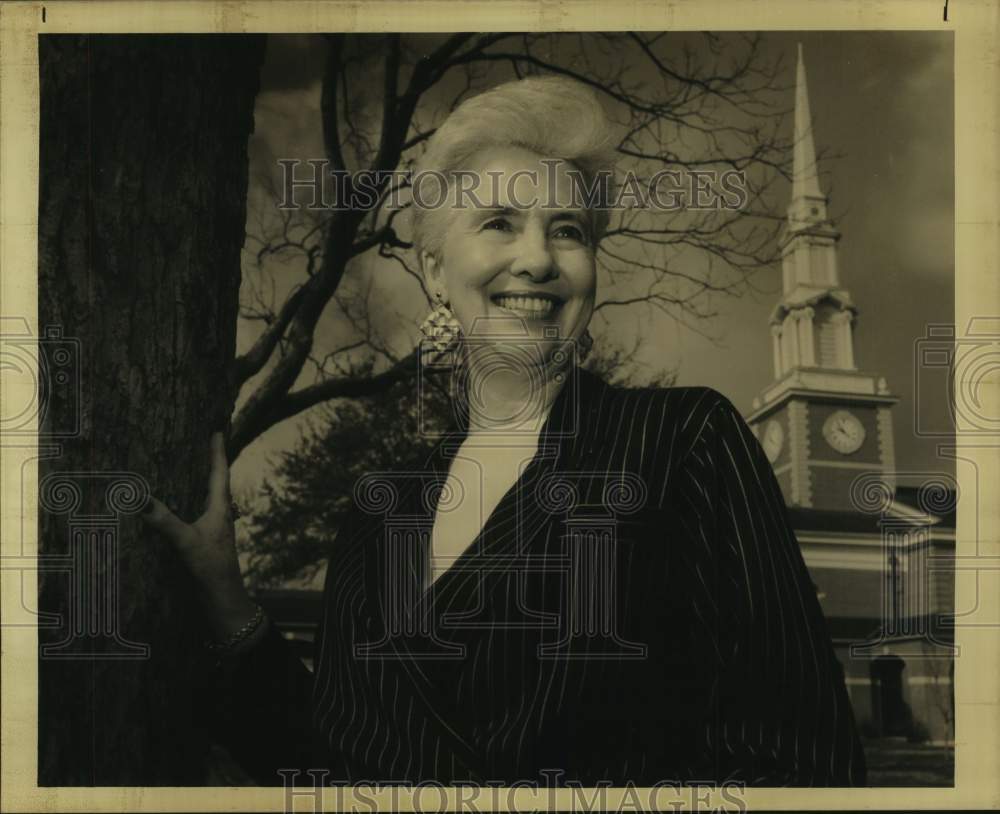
{"x":240,"y":635}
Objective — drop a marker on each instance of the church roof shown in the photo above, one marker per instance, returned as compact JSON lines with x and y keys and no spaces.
{"x":911,"y":503}
{"x":941,"y":503}
{"x":804,"y":519}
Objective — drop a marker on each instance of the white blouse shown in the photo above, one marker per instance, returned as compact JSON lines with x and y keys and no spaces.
{"x":483,"y":470}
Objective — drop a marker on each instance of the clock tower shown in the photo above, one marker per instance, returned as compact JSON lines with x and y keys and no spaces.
{"x":821,"y":421}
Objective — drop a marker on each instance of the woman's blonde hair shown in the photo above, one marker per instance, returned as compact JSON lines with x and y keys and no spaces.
{"x":552,"y":116}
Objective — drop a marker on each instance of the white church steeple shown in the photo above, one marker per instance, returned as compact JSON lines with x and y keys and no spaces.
{"x":812,"y":326}
{"x":821,"y":420}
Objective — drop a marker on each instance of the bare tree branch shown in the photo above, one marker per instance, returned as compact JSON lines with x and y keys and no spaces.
{"x":691,"y":103}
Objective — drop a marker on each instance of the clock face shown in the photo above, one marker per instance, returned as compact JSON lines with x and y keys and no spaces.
{"x":844,"y":432}
{"x":774,"y":437}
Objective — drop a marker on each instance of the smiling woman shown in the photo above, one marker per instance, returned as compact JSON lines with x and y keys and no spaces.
{"x":583,"y":581}
{"x":505,"y":266}
{"x":509,"y":255}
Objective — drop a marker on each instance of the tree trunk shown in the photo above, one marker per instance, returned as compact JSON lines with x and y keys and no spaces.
{"x":143,"y":181}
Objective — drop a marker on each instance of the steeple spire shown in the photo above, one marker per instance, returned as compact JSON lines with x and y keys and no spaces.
{"x":806,"y":178}
{"x":808,"y":205}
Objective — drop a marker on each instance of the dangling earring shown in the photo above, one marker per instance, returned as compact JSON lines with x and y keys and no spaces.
{"x":441,"y":329}
{"x":583,"y":346}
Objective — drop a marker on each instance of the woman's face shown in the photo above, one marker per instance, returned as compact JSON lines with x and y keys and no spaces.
{"x":522,"y":264}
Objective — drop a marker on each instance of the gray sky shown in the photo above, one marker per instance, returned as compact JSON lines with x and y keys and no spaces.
{"x":882,"y":101}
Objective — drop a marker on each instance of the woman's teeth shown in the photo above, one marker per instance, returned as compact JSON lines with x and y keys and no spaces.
{"x":534,"y":306}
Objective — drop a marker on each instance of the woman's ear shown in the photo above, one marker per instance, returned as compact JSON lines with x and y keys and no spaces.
{"x":433,"y":274}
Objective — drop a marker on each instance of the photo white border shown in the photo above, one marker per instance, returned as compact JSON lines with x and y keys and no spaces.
{"x":975,"y":23}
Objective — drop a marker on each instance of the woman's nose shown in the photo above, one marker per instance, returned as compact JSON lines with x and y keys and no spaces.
{"x":533,"y":258}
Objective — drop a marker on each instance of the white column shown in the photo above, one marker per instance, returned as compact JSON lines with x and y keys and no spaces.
{"x":847,"y":340}
{"x":776,"y":350}
{"x":834,"y":274}
{"x":786,"y":352}
{"x":791,"y":332}
{"x":788,"y":270}
{"x":845,"y":347}
{"x":807,"y":355}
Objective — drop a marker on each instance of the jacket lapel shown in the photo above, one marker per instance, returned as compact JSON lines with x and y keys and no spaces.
{"x":521,"y":516}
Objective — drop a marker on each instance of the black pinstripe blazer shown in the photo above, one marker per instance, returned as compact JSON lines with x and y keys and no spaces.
{"x":636,"y":608}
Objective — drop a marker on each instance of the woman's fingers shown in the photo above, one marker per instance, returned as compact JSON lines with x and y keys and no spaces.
{"x":218,"y":479}
{"x":166,"y":522}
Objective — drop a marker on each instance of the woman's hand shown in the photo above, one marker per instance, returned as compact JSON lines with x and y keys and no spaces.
{"x":208,"y":548}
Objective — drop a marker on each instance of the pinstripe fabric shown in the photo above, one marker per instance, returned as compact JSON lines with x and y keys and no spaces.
{"x":636,"y":608}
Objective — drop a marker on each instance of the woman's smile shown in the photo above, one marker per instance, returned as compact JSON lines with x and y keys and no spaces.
{"x":528,"y":305}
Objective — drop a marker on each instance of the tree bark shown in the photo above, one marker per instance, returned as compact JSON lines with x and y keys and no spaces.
{"x":143,"y":181}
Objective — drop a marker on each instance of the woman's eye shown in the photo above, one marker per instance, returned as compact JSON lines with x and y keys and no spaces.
{"x":497,"y":224}
{"x":572,"y":232}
